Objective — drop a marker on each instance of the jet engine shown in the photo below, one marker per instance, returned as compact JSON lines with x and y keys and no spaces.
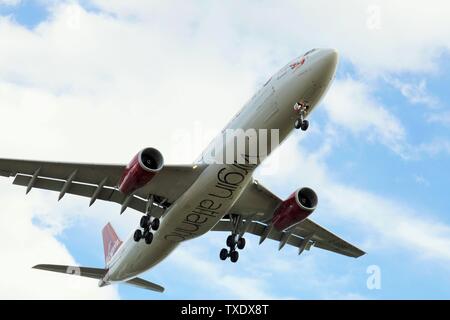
{"x":296,"y":208}
{"x":141,"y":170}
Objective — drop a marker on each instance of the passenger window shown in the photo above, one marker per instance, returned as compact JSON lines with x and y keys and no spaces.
{"x":310,"y":51}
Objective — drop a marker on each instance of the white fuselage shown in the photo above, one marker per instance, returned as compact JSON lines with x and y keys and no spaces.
{"x":219,"y":186}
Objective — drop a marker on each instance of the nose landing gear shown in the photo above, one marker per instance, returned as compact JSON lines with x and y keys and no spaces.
{"x":301,"y":122}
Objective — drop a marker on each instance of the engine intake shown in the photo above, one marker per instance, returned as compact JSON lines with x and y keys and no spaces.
{"x":151,"y":159}
{"x":141,"y":170}
{"x":296,"y":208}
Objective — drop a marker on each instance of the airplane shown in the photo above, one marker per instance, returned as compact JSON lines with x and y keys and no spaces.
{"x":182,"y":202}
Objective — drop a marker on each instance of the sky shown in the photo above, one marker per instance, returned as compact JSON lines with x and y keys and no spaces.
{"x":98,"y":80}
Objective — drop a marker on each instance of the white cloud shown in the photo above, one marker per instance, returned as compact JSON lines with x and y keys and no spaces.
{"x":10,"y":2}
{"x":377,"y":36}
{"x":212,"y":275}
{"x":434,"y":148}
{"x":145,"y":86}
{"x":442,"y":118}
{"x":385,"y":223}
{"x":415,"y":93}
{"x":23,"y":245}
{"x":421,"y":180}
{"x":181,"y":67}
{"x":313,"y":281}
{"x":260,"y":272}
{"x":350,"y":104}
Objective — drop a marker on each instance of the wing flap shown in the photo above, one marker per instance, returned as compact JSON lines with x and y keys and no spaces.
{"x":303,"y":236}
{"x":327,"y":240}
{"x":294,"y":240}
{"x":168,"y":185}
{"x":85,"y":172}
{"x":85,"y":190}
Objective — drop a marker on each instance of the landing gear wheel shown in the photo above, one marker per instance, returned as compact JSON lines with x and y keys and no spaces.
{"x":155,"y":224}
{"x":148,"y":237}
{"x":144,"y":222}
{"x":137,"y":235}
{"x":298,"y":123}
{"x":230,"y":241}
{"x":241,"y":243}
{"x":234,"y":256}
{"x":305,"y":125}
{"x":223,"y":254}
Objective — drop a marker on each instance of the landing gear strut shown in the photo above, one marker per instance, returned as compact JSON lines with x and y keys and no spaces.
{"x":301,"y":122}
{"x":234,"y":241}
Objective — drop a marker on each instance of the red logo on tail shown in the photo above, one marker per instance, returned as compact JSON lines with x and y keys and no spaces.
{"x":111,"y":242}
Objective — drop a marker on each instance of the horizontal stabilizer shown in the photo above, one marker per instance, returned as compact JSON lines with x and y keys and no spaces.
{"x":144,"y":284}
{"x":94,"y":273}
{"x":97,"y":273}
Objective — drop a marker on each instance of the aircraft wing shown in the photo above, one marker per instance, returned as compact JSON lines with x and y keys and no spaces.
{"x":99,"y":181}
{"x":258,"y":204}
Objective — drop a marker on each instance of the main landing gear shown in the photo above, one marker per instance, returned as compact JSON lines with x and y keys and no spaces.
{"x":301,"y":122}
{"x":147,"y":223}
{"x":234,"y":241}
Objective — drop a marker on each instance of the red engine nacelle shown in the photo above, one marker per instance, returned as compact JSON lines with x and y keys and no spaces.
{"x":296,"y":208}
{"x":142,"y":168}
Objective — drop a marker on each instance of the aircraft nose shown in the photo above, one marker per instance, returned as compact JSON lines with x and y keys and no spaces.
{"x":325,"y":65}
{"x":329,"y":59}
{"x":322,"y":68}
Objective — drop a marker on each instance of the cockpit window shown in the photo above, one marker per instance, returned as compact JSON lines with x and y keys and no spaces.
{"x":310,"y":51}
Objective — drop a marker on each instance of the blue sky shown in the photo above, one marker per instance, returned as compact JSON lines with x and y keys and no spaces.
{"x":95,"y":81}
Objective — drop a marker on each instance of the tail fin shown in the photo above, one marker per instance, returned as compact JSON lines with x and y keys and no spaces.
{"x":111,"y":242}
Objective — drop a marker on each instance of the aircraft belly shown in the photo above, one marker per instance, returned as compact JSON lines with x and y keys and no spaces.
{"x":205,"y":203}
{"x":140,"y":258}
{"x":191,"y":216}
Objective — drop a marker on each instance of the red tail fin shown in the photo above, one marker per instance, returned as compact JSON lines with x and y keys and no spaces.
{"x":111,"y":242}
